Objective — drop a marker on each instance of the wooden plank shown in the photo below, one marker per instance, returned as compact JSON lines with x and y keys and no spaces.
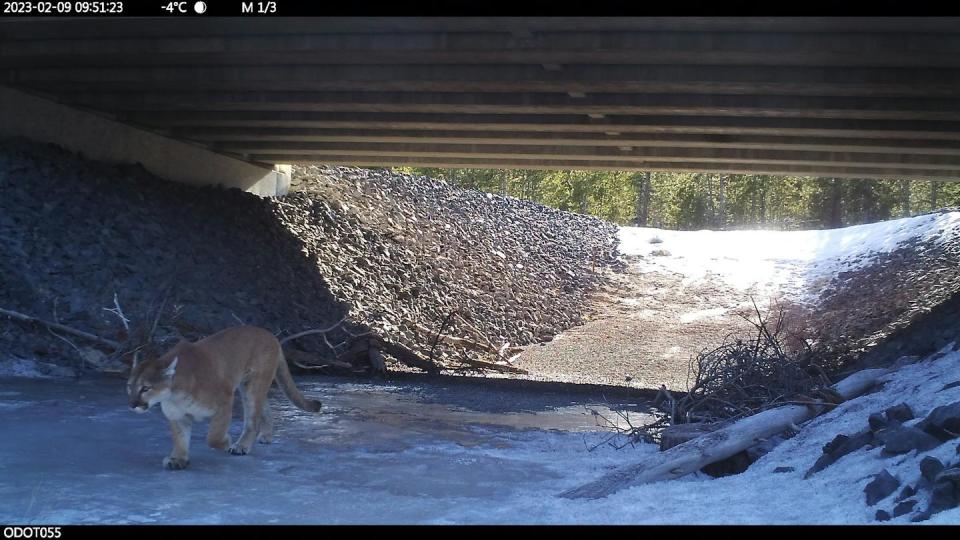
{"x":626,"y":154}
{"x":221,"y":136}
{"x":768,"y":80}
{"x":497,"y":46}
{"x":20,"y":28}
{"x":562,"y":164}
{"x":554,"y":123}
{"x":530,"y":103}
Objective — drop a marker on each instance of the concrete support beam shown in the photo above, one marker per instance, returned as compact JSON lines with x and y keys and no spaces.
{"x":100,"y":138}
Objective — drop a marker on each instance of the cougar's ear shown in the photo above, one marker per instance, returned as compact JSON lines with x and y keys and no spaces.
{"x":172,"y":368}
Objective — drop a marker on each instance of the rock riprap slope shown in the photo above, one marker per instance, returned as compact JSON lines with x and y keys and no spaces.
{"x":393,"y":253}
{"x":407,"y":251}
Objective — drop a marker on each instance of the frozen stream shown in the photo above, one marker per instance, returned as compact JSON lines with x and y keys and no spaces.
{"x":409,"y":452}
{"x":428,"y":452}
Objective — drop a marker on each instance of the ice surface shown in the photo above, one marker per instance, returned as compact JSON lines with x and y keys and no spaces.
{"x":415,"y":453}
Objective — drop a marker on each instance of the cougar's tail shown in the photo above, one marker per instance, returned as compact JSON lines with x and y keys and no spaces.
{"x":290,"y":388}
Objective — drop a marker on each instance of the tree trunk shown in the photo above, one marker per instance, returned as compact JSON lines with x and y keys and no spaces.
{"x":643,"y":200}
{"x":934,"y":191}
{"x":763,"y":200}
{"x":722,"y":214}
{"x":836,"y":204}
{"x":905,"y":198}
{"x":709,"y":205}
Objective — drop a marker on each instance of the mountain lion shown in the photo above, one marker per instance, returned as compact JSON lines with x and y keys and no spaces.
{"x":196,"y":381}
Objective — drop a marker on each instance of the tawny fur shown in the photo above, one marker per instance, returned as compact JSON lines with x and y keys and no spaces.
{"x":196,"y":381}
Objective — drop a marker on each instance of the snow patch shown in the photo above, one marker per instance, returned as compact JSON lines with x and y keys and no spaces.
{"x":702,"y":314}
{"x":794,"y":263}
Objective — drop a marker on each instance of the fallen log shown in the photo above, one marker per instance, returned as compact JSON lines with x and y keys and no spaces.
{"x":492,"y":365}
{"x":697,"y":453}
{"x":304,"y":360}
{"x":403,"y":354}
{"x":366,"y":348}
{"x":61,"y":327}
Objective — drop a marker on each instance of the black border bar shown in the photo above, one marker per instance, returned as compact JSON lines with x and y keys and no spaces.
{"x":467,"y":8}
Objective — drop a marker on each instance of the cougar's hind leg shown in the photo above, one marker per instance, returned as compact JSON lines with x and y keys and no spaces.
{"x":218,"y":435}
{"x":254,"y":394}
{"x":266,"y":423}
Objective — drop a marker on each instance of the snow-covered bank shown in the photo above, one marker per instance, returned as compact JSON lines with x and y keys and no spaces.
{"x":413,"y":454}
{"x":793,"y":263}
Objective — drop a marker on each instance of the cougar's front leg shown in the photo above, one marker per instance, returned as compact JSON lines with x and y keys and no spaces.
{"x":180,"y":456}
{"x":218,"y":436}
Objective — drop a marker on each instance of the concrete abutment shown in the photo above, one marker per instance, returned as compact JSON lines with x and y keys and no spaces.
{"x":100,"y":138}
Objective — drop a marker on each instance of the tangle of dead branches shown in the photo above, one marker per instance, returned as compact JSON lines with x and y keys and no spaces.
{"x":743,"y":377}
{"x":739,"y":378}
{"x":624,"y":433}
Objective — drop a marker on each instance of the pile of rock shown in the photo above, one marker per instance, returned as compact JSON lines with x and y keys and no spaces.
{"x":901,"y":303}
{"x":405,"y":251}
{"x":938,"y":484}
{"x":396,"y":252}
{"x":75,"y":233}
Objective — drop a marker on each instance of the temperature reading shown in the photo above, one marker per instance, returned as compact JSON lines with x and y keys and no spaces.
{"x":173,"y":7}
{"x":258,"y":7}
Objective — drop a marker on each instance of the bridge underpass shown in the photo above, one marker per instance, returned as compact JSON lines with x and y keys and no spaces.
{"x":836,"y":97}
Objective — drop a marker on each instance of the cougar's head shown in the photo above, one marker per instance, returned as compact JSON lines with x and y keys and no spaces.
{"x":150,"y":382}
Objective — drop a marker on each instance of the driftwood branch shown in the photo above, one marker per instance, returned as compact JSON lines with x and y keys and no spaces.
{"x":443,"y":326}
{"x":476,"y":333}
{"x":314,"y":331}
{"x":308,"y":361}
{"x":361,"y":348}
{"x":697,"y":453}
{"x":492,"y":365}
{"x":403,"y":354}
{"x":118,"y":311}
{"x":465,"y":343}
{"x":61,"y":327}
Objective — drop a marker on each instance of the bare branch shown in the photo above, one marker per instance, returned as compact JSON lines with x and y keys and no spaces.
{"x":61,"y":327}
{"x":315,"y":331}
{"x":118,"y":311}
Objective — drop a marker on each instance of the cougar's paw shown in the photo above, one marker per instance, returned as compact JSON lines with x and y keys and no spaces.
{"x":264,"y":439}
{"x":222,"y":444}
{"x":175,"y":464}
{"x":238,"y":449}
